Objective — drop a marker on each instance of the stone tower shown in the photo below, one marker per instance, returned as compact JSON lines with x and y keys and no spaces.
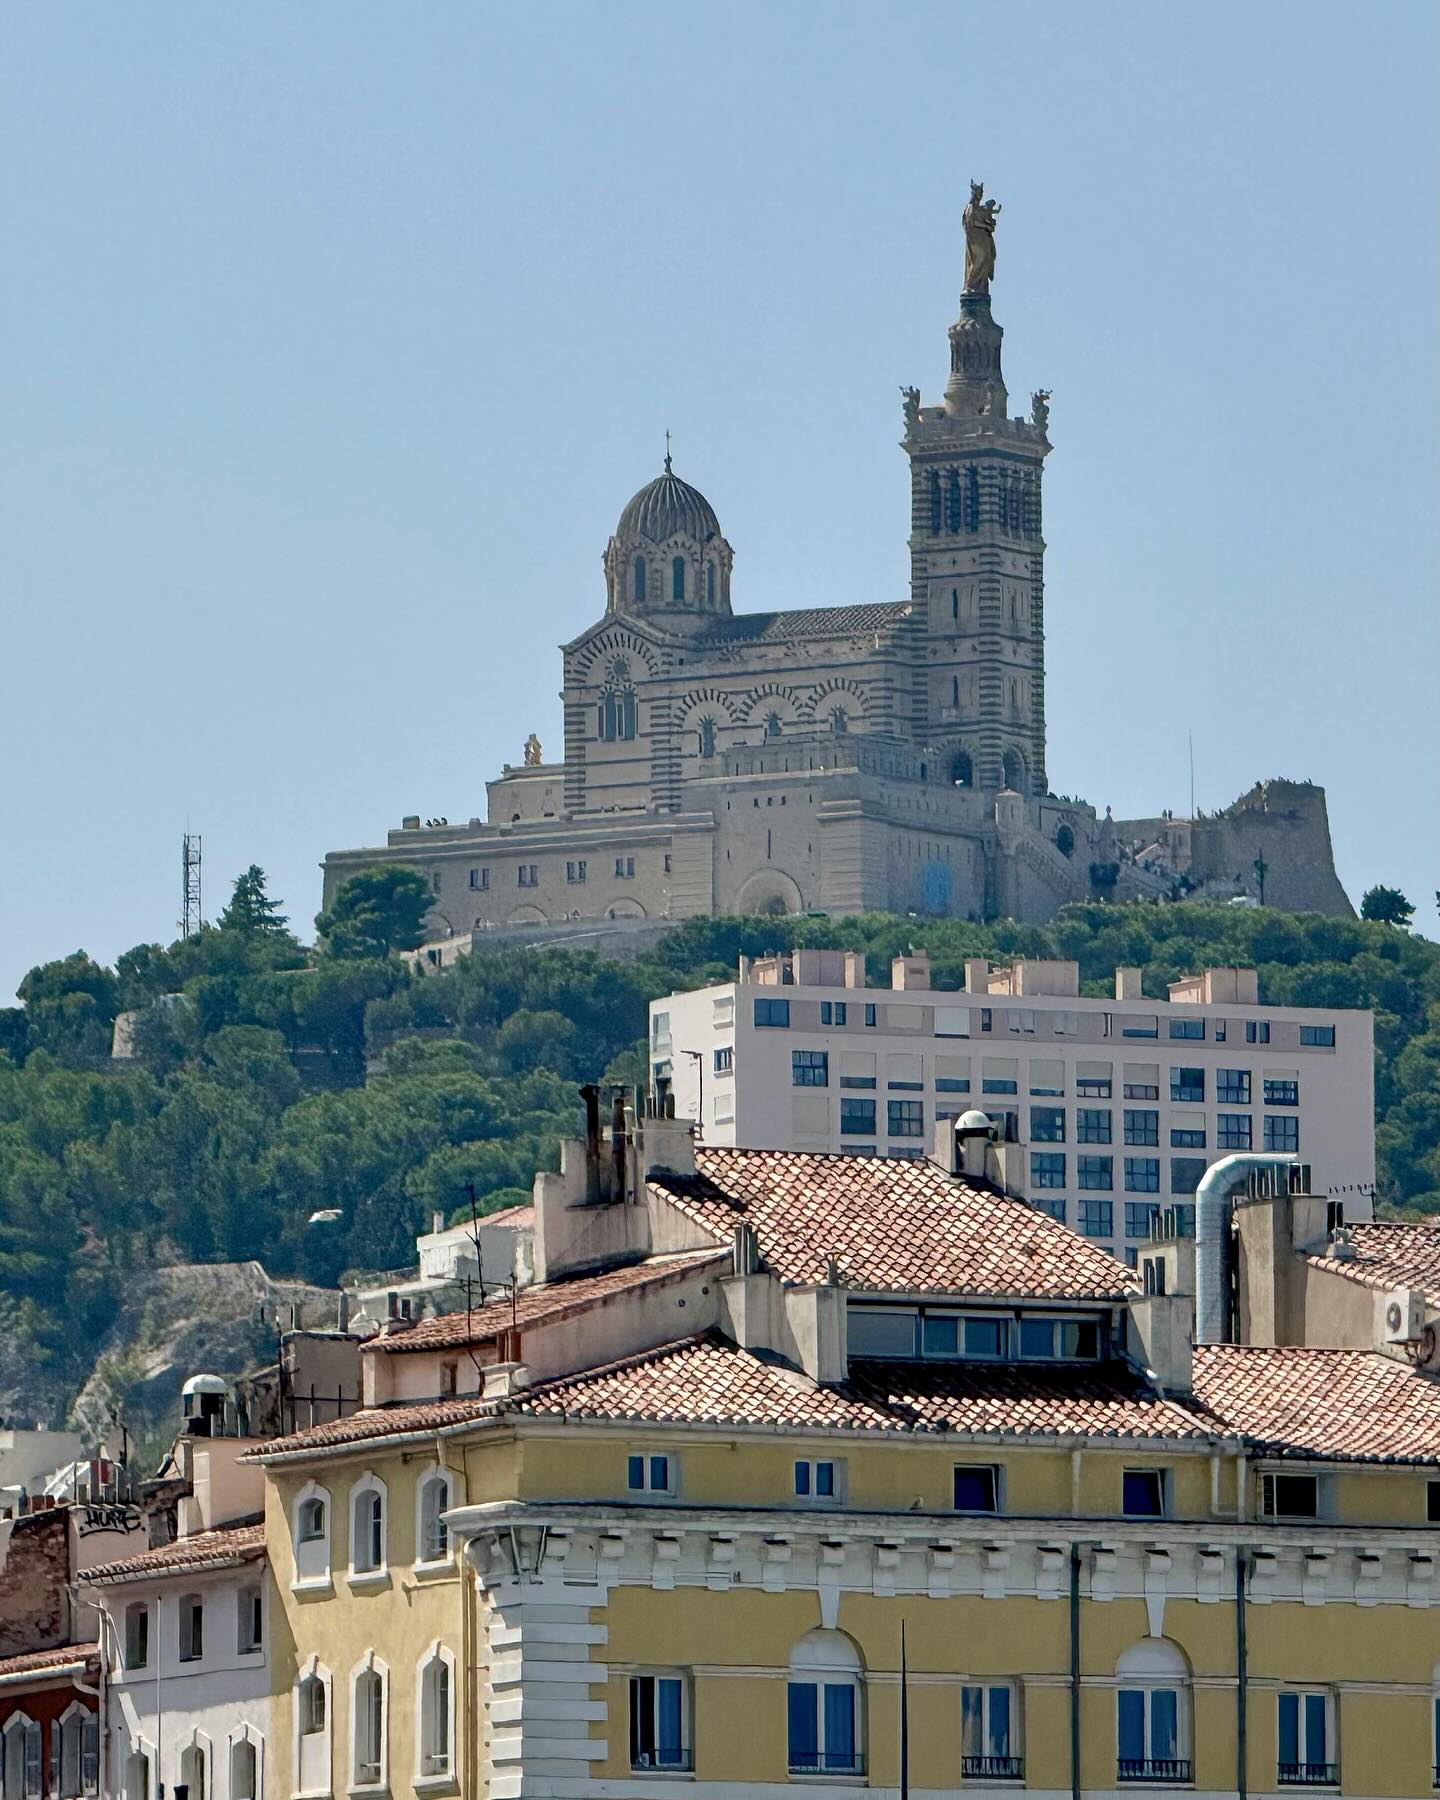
{"x":977,"y":565}
{"x":668,"y":560}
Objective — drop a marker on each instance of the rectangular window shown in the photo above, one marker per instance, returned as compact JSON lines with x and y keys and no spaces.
{"x":1047,"y":1168}
{"x":772,"y":1012}
{"x":1142,"y":1125}
{"x":575,"y":872}
{"x":1140,"y":1027}
{"x":1318,"y":1037}
{"x":1232,"y":1087}
{"x":857,"y":1118}
{"x":725,"y":1059}
{"x":1047,"y":1079}
{"x":1054,"y":1208}
{"x":1257,"y":1031}
{"x":1282,"y":1090}
{"x":1187,"y":1137}
{"x":1070,"y":1339}
{"x":658,"y":1737}
{"x":1138,"y":1216}
{"x":1432,"y":1509}
{"x":1142,"y":1493}
{"x":857,"y":1081}
{"x":1185,"y":1173}
{"x":989,"y":1739}
{"x":986,"y":1337}
{"x":869,"y":1012}
{"x":1187,"y":1028}
{"x":1092,"y":1090}
{"x":1303,"y":1740}
{"x":649,"y":1474}
{"x":816,"y":1481}
{"x":479,"y":878}
{"x":1096,"y":1218}
{"x":528,"y":874}
{"x":137,"y":1632}
{"x":1142,"y":1174}
{"x":977,"y":1488}
{"x":951,"y":1084}
{"x":1047,"y":1124}
{"x":832,"y":1012}
{"x":821,"y":1727}
{"x":1096,"y":1172}
{"x":1282,"y":1132}
{"x":1232,"y":1131}
{"x":809,"y":1068}
{"x":998,"y":1084}
{"x":987,"y":1018}
{"x":906,"y":1118}
{"x":881,"y":1331}
{"x":192,"y":1628}
{"x":1092,"y":1125}
{"x":1142,"y":1090}
{"x":1187,"y":1086}
{"x":666,"y":863}
{"x":624,"y":868}
{"x":1148,"y":1726}
{"x":250,"y":1634}
{"x":1290,"y":1496}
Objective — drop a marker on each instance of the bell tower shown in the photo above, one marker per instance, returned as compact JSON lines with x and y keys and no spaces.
{"x":977,"y":556}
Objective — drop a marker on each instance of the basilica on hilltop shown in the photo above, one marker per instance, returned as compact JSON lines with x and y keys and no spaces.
{"x":869,"y":756}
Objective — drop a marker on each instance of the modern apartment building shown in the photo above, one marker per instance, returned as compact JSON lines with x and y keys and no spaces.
{"x":1109,"y":1107}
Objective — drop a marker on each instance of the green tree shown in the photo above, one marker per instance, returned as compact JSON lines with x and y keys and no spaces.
{"x":251,"y":909}
{"x":375,"y":912}
{"x":1386,"y":906}
{"x":70,"y":1008}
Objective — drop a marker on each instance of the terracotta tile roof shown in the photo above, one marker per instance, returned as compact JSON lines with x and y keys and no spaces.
{"x":40,"y":1662}
{"x":1391,"y":1256}
{"x":514,"y":1216}
{"x":373,"y":1422}
{"x":222,"y":1548}
{"x":552,"y":1301}
{"x":806,"y":622}
{"x":707,"y":1381}
{"x":902,"y":1226}
{"x":1348,"y":1404}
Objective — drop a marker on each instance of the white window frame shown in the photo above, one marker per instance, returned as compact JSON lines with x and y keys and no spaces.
{"x":687,"y":1741}
{"x":186,"y":1608}
{"x":250,"y":1607}
{"x":67,"y":1746}
{"x":1156,"y":1665}
{"x":1331,"y":1759}
{"x":423,"y":1558}
{"x":313,"y":1670}
{"x":368,"y":1488}
{"x":829,"y":1659}
{"x":1162,"y":1478}
{"x":648,"y":1459}
{"x":370,"y":1666}
{"x":426,"y":1779}
{"x":27,"y":1731}
{"x":312,"y":1555}
{"x":245,"y":1734}
{"x":985,"y":1685}
{"x":1268,"y":1478}
{"x":812,"y":1496}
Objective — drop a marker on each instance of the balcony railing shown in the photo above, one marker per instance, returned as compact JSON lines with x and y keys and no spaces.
{"x":1308,"y":1774}
{"x":826,"y":1762}
{"x":993,"y":1768}
{"x":1152,"y":1768}
{"x":671,"y":1757}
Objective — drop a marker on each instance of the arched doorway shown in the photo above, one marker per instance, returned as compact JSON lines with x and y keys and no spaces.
{"x":769,"y":891}
{"x":1012,"y":771}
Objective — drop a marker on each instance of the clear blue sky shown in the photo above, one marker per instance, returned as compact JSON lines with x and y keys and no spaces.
{"x":336,"y":336}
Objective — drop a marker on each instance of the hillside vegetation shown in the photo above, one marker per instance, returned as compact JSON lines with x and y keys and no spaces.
{"x":285,"y":1083}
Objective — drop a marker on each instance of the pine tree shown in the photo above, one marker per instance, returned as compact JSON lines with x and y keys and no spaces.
{"x":251,"y":910}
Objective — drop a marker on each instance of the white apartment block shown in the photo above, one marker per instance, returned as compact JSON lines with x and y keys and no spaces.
{"x":1111,"y":1107}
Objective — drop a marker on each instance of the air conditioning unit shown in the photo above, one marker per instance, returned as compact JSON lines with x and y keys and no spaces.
{"x":1403,"y":1316}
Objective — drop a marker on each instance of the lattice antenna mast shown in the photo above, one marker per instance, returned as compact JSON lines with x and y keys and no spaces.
{"x":190,"y":920}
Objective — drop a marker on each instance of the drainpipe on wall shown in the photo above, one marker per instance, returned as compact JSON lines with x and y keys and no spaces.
{"x":1241,"y":1680}
{"x":1075,"y":1672}
{"x":1212,"y":1229}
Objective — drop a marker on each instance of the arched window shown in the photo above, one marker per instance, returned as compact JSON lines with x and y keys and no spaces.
{"x":972,"y":499}
{"x":709,"y":584}
{"x":952,"y":501}
{"x":75,"y":1754}
{"x":1012,"y":771}
{"x":839,"y":720}
{"x":193,"y":1770}
{"x":1065,"y":841}
{"x":367,"y":1526}
{"x":312,"y":1730}
{"x":772,"y":724}
{"x":137,"y":1635}
{"x":962,"y":769}
{"x":677,"y":578}
{"x":436,"y":1712}
{"x":637,"y":579}
{"x":954,"y":690}
{"x":244,"y":1768}
{"x":823,"y":1702}
{"x":368,"y":1725}
{"x":312,"y":1536}
{"x":137,"y":1776}
{"x":432,"y":1534}
{"x":1152,"y":1713}
{"x":22,"y":1762}
{"x":955,"y":603}
{"x":933,"y":492}
{"x":707,"y":737}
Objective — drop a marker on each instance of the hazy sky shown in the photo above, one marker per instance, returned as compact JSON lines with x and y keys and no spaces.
{"x":336,"y":336}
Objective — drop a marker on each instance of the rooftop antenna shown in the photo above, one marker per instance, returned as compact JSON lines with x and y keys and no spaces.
{"x":190,"y":920}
